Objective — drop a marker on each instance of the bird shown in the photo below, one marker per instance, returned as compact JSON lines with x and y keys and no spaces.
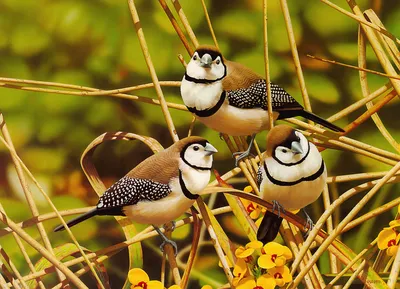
{"x":160,"y":188}
{"x":291,"y":175}
{"x":230,"y":98}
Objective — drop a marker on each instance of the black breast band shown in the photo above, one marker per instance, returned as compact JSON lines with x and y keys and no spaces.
{"x":209,"y":111}
{"x":185,"y":190}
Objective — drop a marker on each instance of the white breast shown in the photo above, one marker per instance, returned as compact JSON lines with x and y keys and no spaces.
{"x":201,"y":96}
{"x":175,"y":204}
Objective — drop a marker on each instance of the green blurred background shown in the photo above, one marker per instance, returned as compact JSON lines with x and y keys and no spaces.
{"x":93,"y":43}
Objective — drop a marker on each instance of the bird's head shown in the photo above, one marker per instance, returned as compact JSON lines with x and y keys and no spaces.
{"x":206,"y":63}
{"x":286,"y":145}
{"x":197,"y":152}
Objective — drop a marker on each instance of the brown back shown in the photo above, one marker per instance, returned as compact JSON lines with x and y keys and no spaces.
{"x":162,"y":166}
{"x":276,"y":136}
{"x":238,"y":76}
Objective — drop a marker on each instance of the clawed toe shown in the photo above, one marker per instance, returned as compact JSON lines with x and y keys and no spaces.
{"x":170,"y":242}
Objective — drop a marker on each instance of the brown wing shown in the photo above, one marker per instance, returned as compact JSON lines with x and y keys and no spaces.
{"x":235,"y":76}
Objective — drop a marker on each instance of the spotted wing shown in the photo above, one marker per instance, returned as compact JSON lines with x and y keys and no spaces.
{"x":129,"y":191}
{"x":255,"y":96}
{"x":260,"y":175}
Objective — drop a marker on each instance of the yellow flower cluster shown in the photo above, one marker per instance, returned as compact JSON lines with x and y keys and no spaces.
{"x":254,"y":210}
{"x":389,"y":237}
{"x":267,"y":271}
{"x":140,"y":280}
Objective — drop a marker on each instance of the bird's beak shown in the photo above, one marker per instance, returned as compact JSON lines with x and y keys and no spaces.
{"x":206,"y":61}
{"x":296,"y":148}
{"x":210,"y":149}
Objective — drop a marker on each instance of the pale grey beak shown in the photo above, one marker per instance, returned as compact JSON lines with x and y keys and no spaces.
{"x":210,"y":149}
{"x":206,"y":61}
{"x":296,"y":148}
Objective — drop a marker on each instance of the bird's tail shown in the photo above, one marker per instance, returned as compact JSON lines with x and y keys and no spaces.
{"x":311,"y":116}
{"x":269,"y":227}
{"x":77,"y":220}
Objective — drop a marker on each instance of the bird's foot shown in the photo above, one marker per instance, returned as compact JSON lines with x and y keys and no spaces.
{"x":278,"y":207}
{"x":170,"y":226}
{"x":309,"y":225}
{"x":170,"y":242}
{"x":242,"y":155}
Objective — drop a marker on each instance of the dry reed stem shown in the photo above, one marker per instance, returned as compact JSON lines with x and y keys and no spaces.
{"x":175,"y":24}
{"x":170,"y":252}
{"x":8,"y":275}
{"x":13,"y":268}
{"x":394,"y":273}
{"x":3,"y":282}
{"x":362,"y":62}
{"x":266,"y":65}
{"x":354,"y":275}
{"x":185,"y":23}
{"x":345,"y":221}
{"x":371,"y":214}
{"x":352,"y":262}
{"x":152,"y":71}
{"x":391,"y":76}
{"x":43,"y":251}
{"x":361,"y":20}
{"x":214,"y":239}
{"x":355,"y":177}
{"x":21,"y":246}
{"x":295,"y":54}
{"x":356,"y":105}
{"x":209,"y":24}
{"x":23,"y":166}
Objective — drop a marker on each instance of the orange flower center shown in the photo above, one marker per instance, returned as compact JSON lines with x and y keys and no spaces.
{"x":142,"y":284}
{"x":273,"y":257}
{"x":278,"y":275}
{"x":250,"y":208}
{"x":391,"y":243}
{"x":248,"y":259}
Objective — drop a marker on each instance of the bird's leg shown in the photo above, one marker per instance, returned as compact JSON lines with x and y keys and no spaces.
{"x":168,"y":227}
{"x":166,"y":241}
{"x":309,"y":224}
{"x":278,"y":207}
{"x":246,"y":153}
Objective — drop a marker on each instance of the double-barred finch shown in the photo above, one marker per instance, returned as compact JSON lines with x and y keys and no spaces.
{"x":159,"y":189}
{"x":231,"y":98}
{"x":292,"y":175}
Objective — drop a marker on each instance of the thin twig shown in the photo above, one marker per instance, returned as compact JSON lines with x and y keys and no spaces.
{"x":266,"y":65}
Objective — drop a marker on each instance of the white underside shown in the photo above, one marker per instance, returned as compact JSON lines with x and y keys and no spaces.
{"x":297,"y":196}
{"x":175,"y":204}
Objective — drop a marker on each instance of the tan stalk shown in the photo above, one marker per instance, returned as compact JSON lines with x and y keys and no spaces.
{"x":152,"y":71}
{"x":191,"y":127}
{"x":362,"y":62}
{"x":353,"y":107}
{"x":185,"y":22}
{"x":266,"y":65}
{"x":345,"y":221}
{"x":170,"y":252}
{"x":8,"y":275}
{"x":354,"y":275}
{"x":13,"y":268}
{"x":209,"y":23}
{"x":3,"y":282}
{"x":356,"y":177}
{"x":361,"y":20}
{"x":295,"y":54}
{"x":394,"y":273}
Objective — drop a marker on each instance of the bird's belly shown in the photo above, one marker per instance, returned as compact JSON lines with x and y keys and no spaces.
{"x":293,"y":197}
{"x":238,"y":121}
{"x":161,"y":211}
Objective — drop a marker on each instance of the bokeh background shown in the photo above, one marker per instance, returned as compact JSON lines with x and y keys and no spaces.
{"x":93,"y":43}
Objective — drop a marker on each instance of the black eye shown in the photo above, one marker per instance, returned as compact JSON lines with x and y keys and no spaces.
{"x":284,"y":151}
{"x":195,"y":57}
{"x":196,"y":148}
{"x":218,"y":61}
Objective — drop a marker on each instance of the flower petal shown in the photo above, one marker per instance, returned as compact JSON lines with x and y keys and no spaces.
{"x":265,"y":262}
{"x":287,"y":277}
{"x":179,"y":287}
{"x":258,"y":222}
{"x":280,"y":282}
{"x":137,"y":275}
{"x":384,"y":237}
{"x":255,"y":213}
{"x":294,"y":211}
{"x":248,"y":189}
{"x":240,"y":268}
{"x":154,"y":284}
{"x":273,"y":248}
{"x":245,"y":253}
{"x":204,"y":287}
{"x":280,"y":261}
{"x":287,"y":253}
{"x":254,"y":244}
{"x":391,"y":251}
{"x":394,"y":223}
{"x":266,"y":281}
{"x":247,"y":283}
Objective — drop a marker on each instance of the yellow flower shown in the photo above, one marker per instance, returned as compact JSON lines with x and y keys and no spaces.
{"x":245,"y":252}
{"x":281,"y":275}
{"x":177,"y":287}
{"x":388,"y":239}
{"x":239,"y":271}
{"x":274,"y":255}
{"x":140,"y":280}
{"x":206,"y":287}
{"x":263,"y":282}
{"x":253,"y":209}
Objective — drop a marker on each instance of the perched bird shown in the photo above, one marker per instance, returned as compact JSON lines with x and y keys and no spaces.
{"x":161,"y":188}
{"x":230,"y":98}
{"x":291,"y":176}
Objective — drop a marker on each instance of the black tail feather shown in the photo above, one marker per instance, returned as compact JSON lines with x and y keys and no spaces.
{"x":77,"y":220}
{"x":269,"y":227}
{"x":313,"y":117}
